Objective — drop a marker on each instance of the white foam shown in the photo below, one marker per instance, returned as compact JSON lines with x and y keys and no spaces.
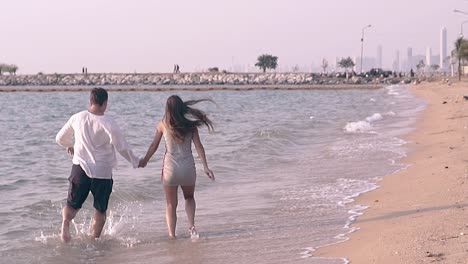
{"x":45,"y":238}
{"x":374,"y":117}
{"x":360,"y":126}
{"x":363,"y":125}
{"x":392,"y":90}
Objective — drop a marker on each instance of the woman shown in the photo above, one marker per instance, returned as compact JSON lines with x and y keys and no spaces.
{"x":179,"y":128}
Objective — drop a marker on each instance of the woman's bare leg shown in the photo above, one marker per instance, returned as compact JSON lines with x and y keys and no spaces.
{"x":171,"y":207}
{"x":190,"y":205}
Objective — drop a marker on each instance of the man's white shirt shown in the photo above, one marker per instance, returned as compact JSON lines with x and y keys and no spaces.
{"x":97,"y":138}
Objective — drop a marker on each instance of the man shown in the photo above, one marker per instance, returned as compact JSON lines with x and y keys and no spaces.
{"x":97,"y":138}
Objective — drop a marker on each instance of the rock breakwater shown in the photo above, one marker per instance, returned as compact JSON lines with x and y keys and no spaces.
{"x":153,"y":79}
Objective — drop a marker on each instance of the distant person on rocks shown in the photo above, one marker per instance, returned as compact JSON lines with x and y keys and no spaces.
{"x":97,"y":138}
{"x":412,"y":73}
{"x":82,"y":70}
{"x":176,"y":68}
{"x":179,"y":127}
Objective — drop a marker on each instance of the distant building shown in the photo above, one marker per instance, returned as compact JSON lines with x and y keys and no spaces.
{"x":396,"y":62}
{"x":410,"y":64}
{"x":443,"y":49}
{"x":417,"y":59}
{"x":367,"y":63}
{"x":379,"y":56}
{"x":428,"y":56}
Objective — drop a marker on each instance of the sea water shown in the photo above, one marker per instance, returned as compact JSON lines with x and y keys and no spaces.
{"x":288,"y":164}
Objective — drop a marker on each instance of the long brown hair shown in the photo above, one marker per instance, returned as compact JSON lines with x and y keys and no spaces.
{"x":180,"y":118}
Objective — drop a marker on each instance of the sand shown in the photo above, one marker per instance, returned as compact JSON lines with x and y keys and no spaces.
{"x":420,"y":215}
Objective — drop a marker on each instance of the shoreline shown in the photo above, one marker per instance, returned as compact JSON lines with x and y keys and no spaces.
{"x":155,"y":88}
{"x":418,"y":214}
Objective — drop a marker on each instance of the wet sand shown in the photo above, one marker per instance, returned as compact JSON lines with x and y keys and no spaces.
{"x":420,"y":215}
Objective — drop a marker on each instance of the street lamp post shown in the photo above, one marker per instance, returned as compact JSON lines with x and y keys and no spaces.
{"x":362,"y":43}
{"x":464,"y":13}
{"x":461,"y":30}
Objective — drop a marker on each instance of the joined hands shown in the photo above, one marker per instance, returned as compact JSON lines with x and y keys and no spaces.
{"x":142,"y":163}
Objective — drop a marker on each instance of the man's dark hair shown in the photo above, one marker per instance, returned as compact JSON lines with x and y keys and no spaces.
{"x":98,"y":96}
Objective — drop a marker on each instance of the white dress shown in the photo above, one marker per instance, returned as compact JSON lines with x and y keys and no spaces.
{"x":178,"y":163}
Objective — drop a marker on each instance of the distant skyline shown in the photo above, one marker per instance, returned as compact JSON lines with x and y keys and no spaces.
{"x":151,"y":36}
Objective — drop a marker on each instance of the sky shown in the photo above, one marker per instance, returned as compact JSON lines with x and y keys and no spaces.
{"x":152,"y":35}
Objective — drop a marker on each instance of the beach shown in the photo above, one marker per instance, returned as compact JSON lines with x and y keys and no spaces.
{"x":418,"y":215}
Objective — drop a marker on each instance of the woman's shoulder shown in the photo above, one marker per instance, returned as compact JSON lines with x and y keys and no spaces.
{"x":160,"y":126}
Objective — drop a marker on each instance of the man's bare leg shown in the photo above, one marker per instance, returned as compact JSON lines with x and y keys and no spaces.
{"x":98,"y":224}
{"x":68,"y":213}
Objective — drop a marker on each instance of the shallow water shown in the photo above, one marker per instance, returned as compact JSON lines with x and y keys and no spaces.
{"x":287,"y":163}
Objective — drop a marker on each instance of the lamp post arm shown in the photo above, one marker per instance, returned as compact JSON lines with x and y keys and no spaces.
{"x":459,"y":11}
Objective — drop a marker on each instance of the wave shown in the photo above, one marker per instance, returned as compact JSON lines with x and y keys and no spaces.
{"x":363,"y":125}
{"x":392,"y":90}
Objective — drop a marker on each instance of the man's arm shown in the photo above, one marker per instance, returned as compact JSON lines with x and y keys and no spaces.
{"x":121,"y":145}
{"x":65,"y":136}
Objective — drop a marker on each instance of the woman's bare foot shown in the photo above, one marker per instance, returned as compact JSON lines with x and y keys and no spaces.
{"x":193,"y":233}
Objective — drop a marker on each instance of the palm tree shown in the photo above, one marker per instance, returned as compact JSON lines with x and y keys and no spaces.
{"x":461,"y":52}
{"x":267,"y":61}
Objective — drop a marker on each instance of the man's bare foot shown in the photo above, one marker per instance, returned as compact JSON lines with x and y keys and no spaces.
{"x":66,"y":231}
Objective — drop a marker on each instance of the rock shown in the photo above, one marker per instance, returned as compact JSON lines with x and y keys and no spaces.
{"x":356,"y":80}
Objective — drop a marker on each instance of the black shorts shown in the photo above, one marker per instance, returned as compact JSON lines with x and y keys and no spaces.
{"x":81,"y":184}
